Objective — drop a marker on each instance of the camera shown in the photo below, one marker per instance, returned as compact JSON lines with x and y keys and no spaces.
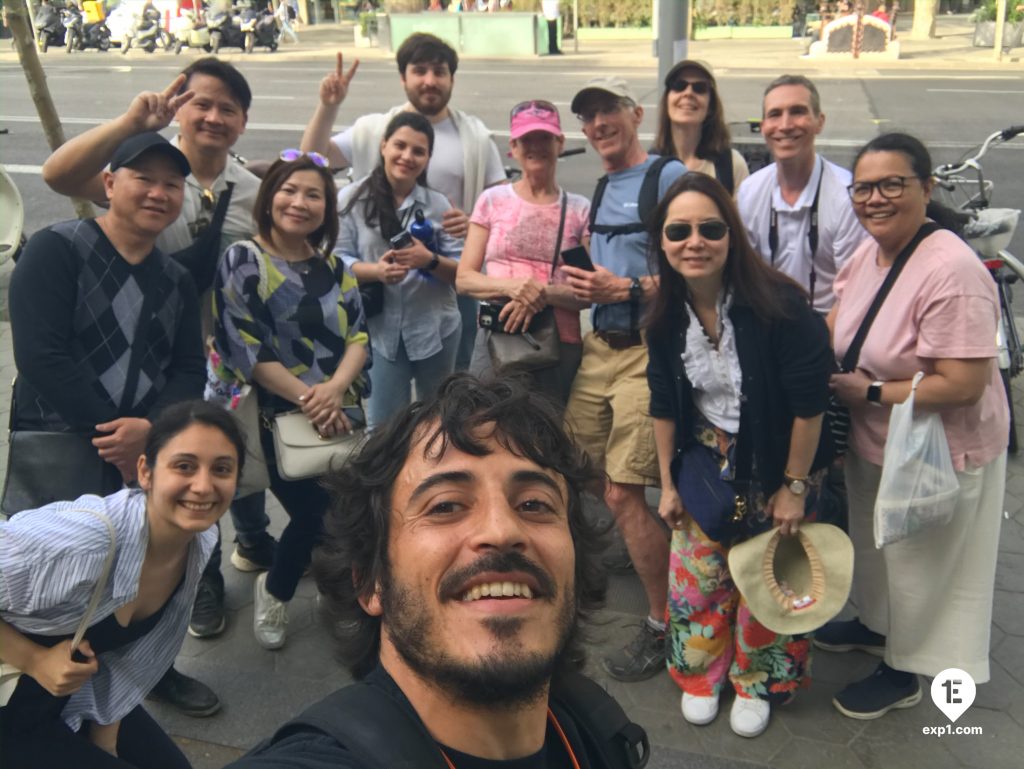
{"x":400,"y":241}
{"x":489,"y":316}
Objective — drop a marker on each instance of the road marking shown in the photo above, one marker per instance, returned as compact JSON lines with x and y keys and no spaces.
{"x":22,"y":169}
{"x":274,"y":98}
{"x":968,"y":90}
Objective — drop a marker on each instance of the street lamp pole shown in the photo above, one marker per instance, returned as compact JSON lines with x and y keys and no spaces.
{"x":671,"y":45}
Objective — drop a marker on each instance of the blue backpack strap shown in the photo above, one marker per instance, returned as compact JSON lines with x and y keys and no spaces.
{"x":377,"y":729}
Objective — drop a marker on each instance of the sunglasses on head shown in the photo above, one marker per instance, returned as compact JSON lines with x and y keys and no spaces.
{"x":700,"y":87}
{"x":714,"y":229}
{"x":538,"y":105}
{"x":290,"y":155}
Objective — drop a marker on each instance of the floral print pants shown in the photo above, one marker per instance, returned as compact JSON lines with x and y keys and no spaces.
{"x":711,"y":632}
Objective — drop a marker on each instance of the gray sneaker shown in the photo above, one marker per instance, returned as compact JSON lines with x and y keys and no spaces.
{"x":642,"y":658}
{"x":269,"y":616}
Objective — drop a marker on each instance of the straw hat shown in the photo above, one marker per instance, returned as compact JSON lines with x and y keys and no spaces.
{"x":794,"y":584}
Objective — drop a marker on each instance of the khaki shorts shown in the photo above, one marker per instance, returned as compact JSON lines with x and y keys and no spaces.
{"x":609,"y":412}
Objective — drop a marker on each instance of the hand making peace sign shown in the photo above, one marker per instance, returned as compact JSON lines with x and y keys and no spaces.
{"x":150,"y":111}
{"x":334,"y":87}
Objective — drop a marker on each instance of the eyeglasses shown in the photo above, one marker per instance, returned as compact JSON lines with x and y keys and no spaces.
{"x":700,"y":87}
{"x":534,"y":105}
{"x":207,"y":203}
{"x":889,"y":188}
{"x":607,"y":109}
{"x":290,"y":155}
{"x":713,"y":229}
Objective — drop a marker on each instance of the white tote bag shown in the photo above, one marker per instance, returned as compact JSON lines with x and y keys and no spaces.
{"x":918,"y":488}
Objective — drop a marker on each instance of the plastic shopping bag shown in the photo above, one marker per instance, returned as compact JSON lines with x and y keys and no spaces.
{"x":919,"y":488}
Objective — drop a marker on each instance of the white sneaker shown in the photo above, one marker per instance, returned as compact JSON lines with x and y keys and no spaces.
{"x":269,"y":616}
{"x":749,"y":717}
{"x":699,"y":710}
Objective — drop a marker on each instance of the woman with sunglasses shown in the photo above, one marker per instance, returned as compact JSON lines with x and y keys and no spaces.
{"x":925,"y":602}
{"x":738,"y":374}
{"x":513,"y":234}
{"x":413,"y":318}
{"x":289,"y":322}
{"x":692,"y":127}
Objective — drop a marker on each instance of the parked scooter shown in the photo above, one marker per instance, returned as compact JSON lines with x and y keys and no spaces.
{"x":225,"y":30}
{"x":188,"y":31}
{"x":259,"y":28}
{"x":147,"y":32}
{"x":80,"y":35}
{"x":49,"y":28}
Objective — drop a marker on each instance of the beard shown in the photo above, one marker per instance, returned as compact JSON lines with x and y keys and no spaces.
{"x":510,"y":678}
{"x":431,"y":108}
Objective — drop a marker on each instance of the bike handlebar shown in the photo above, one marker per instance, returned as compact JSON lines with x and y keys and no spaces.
{"x":951,"y":169}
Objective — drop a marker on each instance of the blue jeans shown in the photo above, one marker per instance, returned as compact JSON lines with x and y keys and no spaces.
{"x":249,"y":516}
{"x":468,"y":309}
{"x":392,"y":379}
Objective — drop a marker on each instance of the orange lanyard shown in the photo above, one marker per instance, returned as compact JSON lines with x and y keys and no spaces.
{"x":561,"y":734}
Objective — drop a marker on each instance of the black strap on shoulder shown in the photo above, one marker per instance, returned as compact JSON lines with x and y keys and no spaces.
{"x":647,"y":202}
{"x":812,"y":232}
{"x":371,"y":725}
{"x":723,"y":170}
{"x":561,"y":232}
{"x":201,"y":257}
{"x":611,"y":740}
{"x":853,"y":352}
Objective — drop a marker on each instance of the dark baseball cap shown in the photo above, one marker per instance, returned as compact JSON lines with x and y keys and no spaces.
{"x":135,"y":147}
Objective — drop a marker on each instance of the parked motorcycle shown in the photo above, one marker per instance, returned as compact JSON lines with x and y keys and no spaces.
{"x":259,"y":28}
{"x":147,"y":32}
{"x":188,"y":31}
{"x":81,"y":35}
{"x":225,"y":30}
{"x":49,"y":28}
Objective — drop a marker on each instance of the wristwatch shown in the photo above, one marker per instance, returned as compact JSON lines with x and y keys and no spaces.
{"x":797,"y":486}
{"x":436,"y":260}
{"x":636,"y":290}
{"x":875,"y":393}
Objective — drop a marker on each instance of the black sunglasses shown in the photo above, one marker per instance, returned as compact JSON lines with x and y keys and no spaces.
{"x":714,"y":229}
{"x":700,"y":87}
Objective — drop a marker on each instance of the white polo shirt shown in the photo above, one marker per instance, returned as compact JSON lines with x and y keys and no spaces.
{"x":839,"y":232}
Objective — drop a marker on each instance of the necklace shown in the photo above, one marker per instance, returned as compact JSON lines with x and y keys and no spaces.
{"x":561,"y":734}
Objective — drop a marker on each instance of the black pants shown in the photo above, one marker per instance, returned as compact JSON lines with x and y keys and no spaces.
{"x":141,"y":744}
{"x":553,"y":36}
{"x":306,"y":502}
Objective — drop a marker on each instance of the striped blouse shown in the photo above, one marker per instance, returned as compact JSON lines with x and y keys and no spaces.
{"x":50,"y":561}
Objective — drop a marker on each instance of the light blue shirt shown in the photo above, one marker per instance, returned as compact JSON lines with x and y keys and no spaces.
{"x":50,"y":562}
{"x":625,"y":254}
{"x":421,"y":310}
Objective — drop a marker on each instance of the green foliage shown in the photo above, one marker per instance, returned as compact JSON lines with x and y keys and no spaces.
{"x":367,"y":23}
{"x":706,"y":13}
{"x":987,"y":11}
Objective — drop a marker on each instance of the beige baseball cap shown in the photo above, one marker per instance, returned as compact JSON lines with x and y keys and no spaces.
{"x":615,"y":86}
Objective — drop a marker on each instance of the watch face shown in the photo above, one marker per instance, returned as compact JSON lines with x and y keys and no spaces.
{"x":798,"y":487}
{"x":874,"y":393}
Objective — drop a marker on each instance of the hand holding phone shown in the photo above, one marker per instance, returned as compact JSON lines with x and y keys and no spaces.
{"x":579,"y":258}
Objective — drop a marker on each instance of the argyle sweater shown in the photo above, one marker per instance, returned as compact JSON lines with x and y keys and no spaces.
{"x":75,"y":305}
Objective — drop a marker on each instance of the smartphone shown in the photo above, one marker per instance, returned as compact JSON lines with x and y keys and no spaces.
{"x":578,"y":257}
{"x":401,"y":240}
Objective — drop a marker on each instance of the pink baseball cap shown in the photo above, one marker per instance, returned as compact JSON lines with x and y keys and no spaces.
{"x":534,"y":115}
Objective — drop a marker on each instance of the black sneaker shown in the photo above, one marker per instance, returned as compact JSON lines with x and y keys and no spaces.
{"x":254,"y":557}
{"x":208,"y":610}
{"x":847,"y":636}
{"x":642,"y":658}
{"x":876,"y":695}
{"x":186,"y":695}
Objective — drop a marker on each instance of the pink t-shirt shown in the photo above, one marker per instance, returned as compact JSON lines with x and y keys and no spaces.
{"x":943,"y":305}
{"x":521,"y":241}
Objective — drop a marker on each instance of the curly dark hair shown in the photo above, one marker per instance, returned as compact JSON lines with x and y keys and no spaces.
{"x":464,"y":413}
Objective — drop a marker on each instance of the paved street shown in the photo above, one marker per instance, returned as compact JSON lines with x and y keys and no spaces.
{"x":945,"y":92}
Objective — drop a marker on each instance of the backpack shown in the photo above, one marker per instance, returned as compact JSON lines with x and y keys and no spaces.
{"x":380,"y":730}
{"x":646,"y":203}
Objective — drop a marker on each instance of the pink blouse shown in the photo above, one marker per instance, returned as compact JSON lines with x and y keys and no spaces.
{"x":943,"y":305}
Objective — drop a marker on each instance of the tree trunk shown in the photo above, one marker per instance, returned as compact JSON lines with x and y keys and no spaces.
{"x":25,"y":44}
{"x":924,"y":19}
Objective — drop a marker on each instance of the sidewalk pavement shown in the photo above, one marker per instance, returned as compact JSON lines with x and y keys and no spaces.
{"x":261,"y":689}
{"x":950,"y":50}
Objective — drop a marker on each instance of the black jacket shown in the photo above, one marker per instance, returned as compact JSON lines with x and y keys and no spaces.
{"x":785,"y":363}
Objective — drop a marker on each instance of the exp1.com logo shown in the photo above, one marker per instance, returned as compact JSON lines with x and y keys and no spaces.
{"x":953,"y":692}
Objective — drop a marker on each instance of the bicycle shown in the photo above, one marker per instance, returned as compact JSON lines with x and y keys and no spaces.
{"x":989,"y":230}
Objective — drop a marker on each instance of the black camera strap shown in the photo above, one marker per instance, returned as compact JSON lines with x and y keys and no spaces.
{"x":561,"y":231}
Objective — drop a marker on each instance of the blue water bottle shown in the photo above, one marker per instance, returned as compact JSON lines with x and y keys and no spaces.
{"x":423,"y":231}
